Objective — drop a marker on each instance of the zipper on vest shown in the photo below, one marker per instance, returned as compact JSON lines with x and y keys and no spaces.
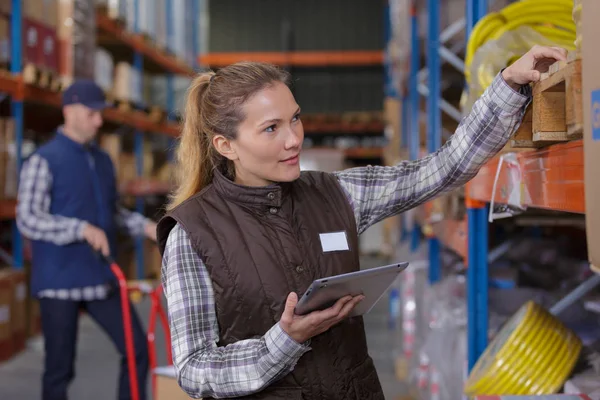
{"x":97,"y":192}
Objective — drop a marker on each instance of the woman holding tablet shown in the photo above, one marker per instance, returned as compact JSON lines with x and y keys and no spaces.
{"x":247,"y":232}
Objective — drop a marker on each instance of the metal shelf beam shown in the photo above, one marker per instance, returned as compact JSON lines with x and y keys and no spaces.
{"x":477,"y":274}
{"x":18,"y":115}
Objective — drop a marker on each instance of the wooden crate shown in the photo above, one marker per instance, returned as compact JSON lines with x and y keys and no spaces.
{"x":556,"y":113}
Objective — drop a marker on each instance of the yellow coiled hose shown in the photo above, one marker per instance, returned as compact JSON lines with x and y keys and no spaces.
{"x":533,"y":354}
{"x":551,"y":19}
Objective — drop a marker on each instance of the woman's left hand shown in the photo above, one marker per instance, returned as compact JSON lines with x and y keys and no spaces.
{"x":532,"y":64}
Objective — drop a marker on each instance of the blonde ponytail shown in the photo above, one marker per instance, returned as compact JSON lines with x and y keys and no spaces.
{"x":193,"y":161}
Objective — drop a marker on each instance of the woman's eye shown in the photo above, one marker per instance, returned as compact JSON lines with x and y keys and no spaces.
{"x":296,"y":118}
{"x":271,"y":128}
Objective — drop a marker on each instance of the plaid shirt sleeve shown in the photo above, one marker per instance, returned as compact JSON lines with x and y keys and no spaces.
{"x":203,"y":369}
{"x":134,"y":223}
{"x":33,"y":209}
{"x":376,"y":192}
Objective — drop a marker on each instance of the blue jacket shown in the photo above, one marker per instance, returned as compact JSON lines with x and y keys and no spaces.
{"x":83,"y":187}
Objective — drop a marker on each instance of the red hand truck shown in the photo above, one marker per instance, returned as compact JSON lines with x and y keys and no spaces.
{"x":156,"y":308}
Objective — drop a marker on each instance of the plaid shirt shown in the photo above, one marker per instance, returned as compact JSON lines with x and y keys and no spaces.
{"x":36,"y":223}
{"x":375,"y":193}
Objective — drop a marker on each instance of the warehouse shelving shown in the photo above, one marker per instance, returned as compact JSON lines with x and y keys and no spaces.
{"x":112,"y":35}
{"x":298,"y":58}
{"x":14,"y":87}
{"x":552,"y":179}
{"x":122,"y":43}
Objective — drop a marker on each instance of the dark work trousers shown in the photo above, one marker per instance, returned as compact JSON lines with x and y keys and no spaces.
{"x":59,"y":326}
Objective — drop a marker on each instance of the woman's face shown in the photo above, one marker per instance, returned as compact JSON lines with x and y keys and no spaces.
{"x":269,"y":140}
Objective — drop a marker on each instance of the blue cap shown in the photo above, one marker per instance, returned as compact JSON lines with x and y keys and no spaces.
{"x":85,"y":92}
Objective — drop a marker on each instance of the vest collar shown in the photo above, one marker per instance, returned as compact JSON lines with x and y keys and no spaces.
{"x":73,"y":144}
{"x":269,"y":196}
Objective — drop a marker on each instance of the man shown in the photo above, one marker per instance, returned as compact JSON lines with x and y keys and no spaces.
{"x":67,"y":206}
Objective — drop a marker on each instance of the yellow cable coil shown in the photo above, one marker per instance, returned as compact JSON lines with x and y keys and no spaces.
{"x":533,"y":354}
{"x":577,"y":10}
{"x":553,"y":19}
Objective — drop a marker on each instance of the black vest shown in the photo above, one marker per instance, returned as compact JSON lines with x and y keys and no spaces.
{"x":261,"y":243}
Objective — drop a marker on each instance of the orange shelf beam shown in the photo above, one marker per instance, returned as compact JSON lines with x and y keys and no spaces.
{"x":8,"y":84}
{"x":8,"y":209}
{"x":145,"y":187}
{"x":12,"y":85}
{"x":552,"y":179}
{"x":137,"y":43}
{"x":297,"y":58}
{"x":343,"y":128}
{"x":363,"y":152}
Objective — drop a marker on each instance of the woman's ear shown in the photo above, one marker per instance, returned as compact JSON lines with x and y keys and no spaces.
{"x":224,"y":147}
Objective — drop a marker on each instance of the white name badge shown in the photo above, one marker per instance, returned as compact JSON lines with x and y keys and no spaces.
{"x":334,"y":241}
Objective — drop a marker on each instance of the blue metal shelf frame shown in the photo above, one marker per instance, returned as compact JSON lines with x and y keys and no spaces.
{"x":138,"y":64}
{"x":17,"y":109}
{"x":434,"y":116}
{"x":170,"y":78}
{"x":477,"y":274}
{"x":413,"y":108}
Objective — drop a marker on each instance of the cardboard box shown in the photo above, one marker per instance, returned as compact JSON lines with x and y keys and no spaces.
{"x":6,"y":338}
{"x":111,"y":144}
{"x":167,"y":387}
{"x":42,"y":11}
{"x":49,"y":48}
{"x":10,"y":181}
{"x":4,"y":41}
{"x":591,"y":128}
{"x":5,"y":6}
{"x":32,"y":9}
{"x":32,"y":42}
{"x":19,"y":309}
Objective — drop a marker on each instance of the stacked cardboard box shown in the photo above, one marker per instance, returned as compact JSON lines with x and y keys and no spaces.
{"x":6,"y":341}
{"x":8,"y":167}
{"x":127,"y":84}
{"x":13,"y":312}
{"x":591,"y":129}
{"x":104,"y":70}
{"x":4,"y":39}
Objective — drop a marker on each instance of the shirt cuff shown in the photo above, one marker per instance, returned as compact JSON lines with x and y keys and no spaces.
{"x":506,"y":99}
{"x":79,"y":227}
{"x":283,"y":347}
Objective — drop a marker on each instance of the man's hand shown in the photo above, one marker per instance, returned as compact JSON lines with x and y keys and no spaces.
{"x":150,"y":231}
{"x":303,"y":327}
{"x":96,"y":238}
{"x":529,"y":68}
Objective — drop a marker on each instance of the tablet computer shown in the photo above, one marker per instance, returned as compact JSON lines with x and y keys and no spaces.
{"x":372,"y":283}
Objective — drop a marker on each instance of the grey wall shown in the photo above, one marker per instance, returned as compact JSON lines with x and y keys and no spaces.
{"x":277,"y":25}
{"x":336,"y":90}
{"x":308,"y":25}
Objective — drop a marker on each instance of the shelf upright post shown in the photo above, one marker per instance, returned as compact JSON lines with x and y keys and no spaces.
{"x":170,"y":78}
{"x":434,"y":116}
{"x":477,"y":274}
{"x":18,"y":114}
{"x":138,"y":64}
{"x":414,"y":134}
{"x":405,"y":126}
{"x":195,"y":42}
{"x":391,"y":91}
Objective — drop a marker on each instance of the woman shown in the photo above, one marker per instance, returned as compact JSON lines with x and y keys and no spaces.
{"x":242,"y":237}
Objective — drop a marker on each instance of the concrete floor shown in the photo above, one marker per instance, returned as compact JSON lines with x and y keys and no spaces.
{"x":98,"y":361}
